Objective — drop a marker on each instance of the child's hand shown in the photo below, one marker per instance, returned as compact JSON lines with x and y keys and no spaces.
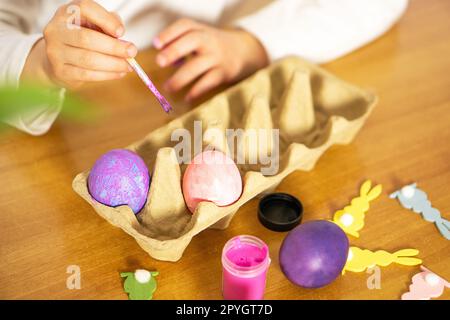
{"x":70,"y":55}
{"x":219,"y":56}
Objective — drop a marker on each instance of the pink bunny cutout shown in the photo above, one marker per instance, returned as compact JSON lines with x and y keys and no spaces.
{"x":425,"y":285}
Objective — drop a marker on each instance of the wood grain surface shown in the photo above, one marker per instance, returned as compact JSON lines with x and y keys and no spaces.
{"x":45,"y":227}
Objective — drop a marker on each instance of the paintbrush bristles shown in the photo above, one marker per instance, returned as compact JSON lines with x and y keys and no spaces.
{"x":148,"y":82}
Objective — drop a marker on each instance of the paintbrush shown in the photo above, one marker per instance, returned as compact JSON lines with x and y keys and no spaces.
{"x":145,"y":78}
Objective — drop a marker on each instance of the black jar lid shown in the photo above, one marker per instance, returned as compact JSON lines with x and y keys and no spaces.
{"x":280,"y":211}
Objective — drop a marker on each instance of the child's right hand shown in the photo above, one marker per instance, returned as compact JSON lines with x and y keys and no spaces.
{"x":69,"y":55}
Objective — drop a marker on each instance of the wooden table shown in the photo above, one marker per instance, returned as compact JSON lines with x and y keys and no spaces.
{"x":45,"y":227}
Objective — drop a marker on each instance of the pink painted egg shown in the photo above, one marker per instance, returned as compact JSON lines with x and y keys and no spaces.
{"x":120,"y":177}
{"x":211,"y":176}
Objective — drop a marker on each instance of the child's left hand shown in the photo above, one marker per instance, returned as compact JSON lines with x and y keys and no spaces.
{"x":219,"y":55}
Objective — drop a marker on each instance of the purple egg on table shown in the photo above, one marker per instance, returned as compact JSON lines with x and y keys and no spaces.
{"x":120,"y":177}
{"x":313,"y":254}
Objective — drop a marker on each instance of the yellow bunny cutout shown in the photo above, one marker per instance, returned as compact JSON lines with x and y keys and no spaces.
{"x":351,"y":218}
{"x":359,"y":260}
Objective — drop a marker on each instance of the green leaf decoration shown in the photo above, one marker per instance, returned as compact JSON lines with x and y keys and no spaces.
{"x":137,"y":290}
{"x":15,"y":101}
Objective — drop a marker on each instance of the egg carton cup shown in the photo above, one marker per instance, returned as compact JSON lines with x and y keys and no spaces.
{"x":312,"y":109}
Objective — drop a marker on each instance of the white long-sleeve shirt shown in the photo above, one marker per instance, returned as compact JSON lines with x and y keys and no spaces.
{"x":317,"y":30}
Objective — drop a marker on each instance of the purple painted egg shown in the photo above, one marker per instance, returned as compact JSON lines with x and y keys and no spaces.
{"x":120,"y":177}
{"x":313,"y":254}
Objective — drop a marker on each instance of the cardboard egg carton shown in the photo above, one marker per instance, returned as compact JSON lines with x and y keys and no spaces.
{"x":312,"y":110}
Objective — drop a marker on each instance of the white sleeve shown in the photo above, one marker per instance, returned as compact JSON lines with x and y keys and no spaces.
{"x":321,"y":30}
{"x":16,"y":20}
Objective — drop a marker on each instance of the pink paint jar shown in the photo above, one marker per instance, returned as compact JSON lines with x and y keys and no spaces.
{"x":245,"y":261}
